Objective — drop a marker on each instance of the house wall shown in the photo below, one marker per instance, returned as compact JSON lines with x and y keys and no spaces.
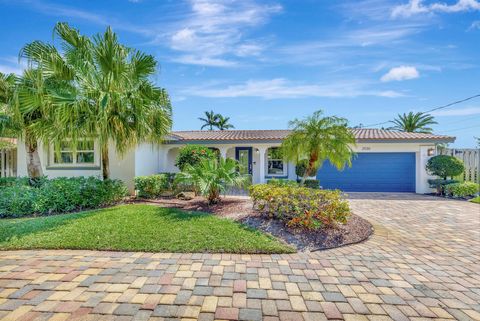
{"x":420,"y":150}
{"x":149,"y":159}
{"x":121,"y":166}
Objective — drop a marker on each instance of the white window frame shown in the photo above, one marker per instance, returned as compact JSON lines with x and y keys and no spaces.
{"x":284,"y":163}
{"x":74,"y":164}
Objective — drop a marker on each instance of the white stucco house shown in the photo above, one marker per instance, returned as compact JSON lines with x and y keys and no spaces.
{"x":385,"y":161}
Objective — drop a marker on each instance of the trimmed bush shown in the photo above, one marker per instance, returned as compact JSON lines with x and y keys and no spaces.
{"x":440,"y":184}
{"x":59,"y":195}
{"x":281,"y":182}
{"x":462,"y":189}
{"x":312,"y":183}
{"x":192,"y":155}
{"x":301,"y":206}
{"x":153,"y":186}
{"x":445,"y":166}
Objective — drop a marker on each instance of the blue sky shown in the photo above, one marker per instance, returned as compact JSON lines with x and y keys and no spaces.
{"x":266,"y":62}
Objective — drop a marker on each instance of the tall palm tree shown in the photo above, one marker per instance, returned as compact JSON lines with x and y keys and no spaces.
{"x":414,"y":122}
{"x":222,"y":123}
{"x":210,"y":120}
{"x":316,"y":139}
{"x":23,"y":110}
{"x":101,"y":89}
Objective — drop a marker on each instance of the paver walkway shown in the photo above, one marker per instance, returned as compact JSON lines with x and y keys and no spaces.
{"x":423,"y":262}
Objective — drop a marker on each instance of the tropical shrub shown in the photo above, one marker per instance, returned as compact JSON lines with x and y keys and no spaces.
{"x":301,"y":206}
{"x":445,"y":166}
{"x":282,"y":182}
{"x":211,"y":177}
{"x":59,"y":195}
{"x":192,"y":155}
{"x":312,"y":183}
{"x":154,"y":185}
{"x":439,"y":184}
{"x":462,"y":189}
{"x":301,"y":168}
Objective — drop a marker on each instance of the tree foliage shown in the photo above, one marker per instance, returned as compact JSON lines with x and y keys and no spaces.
{"x":414,"y":123}
{"x":445,"y":166}
{"x":218,"y":121}
{"x":192,"y":155}
{"x":99,"y":88}
{"x":211,"y":177}
{"x":317,"y":139}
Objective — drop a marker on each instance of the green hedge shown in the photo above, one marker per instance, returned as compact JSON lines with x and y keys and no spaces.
{"x":462,"y":189}
{"x":301,"y":206}
{"x":153,"y":186}
{"x":281,"y":182}
{"x":58,"y":195}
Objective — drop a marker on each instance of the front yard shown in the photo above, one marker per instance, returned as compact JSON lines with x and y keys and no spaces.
{"x":136,"y":228}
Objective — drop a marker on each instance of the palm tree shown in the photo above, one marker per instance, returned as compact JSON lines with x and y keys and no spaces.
{"x":101,"y":89}
{"x":222,"y":123}
{"x":210,"y":120}
{"x":414,"y":123}
{"x":316,"y":139}
{"x":211,"y":177}
{"x":23,"y":111}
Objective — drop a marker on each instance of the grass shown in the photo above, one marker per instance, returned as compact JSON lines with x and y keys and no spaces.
{"x":475,"y":200}
{"x":136,"y":228}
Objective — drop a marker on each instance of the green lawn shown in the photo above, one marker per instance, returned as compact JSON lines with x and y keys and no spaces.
{"x":476,"y":200}
{"x":136,"y":228}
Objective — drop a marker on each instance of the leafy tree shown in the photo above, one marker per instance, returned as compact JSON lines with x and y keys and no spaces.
{"x":211,"y":177}
{"x":192,"y":155}
{"x":445,"y":166}
{"x":414,"y":123}
{"x":316,"y":139}
{"x":222,"y":123}
{"x":210,"y":120}
{"x":100,"y":89}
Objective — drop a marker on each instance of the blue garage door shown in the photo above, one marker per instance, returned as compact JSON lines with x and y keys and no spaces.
{"x":372,"y":172}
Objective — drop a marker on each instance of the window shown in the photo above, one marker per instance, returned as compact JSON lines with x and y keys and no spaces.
{"x":64,"y":154}
{"x":275,"y":162}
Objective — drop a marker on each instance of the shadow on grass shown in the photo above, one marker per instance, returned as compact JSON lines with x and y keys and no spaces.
{"x":19,"y":227}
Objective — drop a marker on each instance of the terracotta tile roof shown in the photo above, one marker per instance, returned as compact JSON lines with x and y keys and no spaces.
{"x":242,"y":135}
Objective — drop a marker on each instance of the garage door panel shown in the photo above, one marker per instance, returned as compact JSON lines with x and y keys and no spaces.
{"x":372,"y":172}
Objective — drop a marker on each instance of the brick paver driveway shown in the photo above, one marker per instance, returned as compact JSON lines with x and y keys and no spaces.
{"x":423,"y":262}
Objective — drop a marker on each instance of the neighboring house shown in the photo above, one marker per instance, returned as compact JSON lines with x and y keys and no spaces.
{"x":386,"y":161}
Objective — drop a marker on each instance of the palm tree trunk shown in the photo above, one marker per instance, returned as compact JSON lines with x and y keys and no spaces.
{"x":105,"y":162}
{"x":34,"y":165}
{"x":309,"y":169}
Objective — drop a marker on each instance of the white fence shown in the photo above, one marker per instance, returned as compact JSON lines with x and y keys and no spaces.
{"x":471,"y":160}
{"x":8,"y":162}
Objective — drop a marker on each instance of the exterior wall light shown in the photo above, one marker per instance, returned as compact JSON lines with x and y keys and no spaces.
{"x":431,"y":152}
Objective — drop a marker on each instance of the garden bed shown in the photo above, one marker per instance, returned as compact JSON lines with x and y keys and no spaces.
{"x":240,"y":208}
{"x":354,"y":231}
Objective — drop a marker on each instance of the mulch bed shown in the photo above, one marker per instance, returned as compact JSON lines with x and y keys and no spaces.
{"x":240,"y":208}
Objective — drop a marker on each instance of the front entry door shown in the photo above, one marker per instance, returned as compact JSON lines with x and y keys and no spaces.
{"x":244,"y":158}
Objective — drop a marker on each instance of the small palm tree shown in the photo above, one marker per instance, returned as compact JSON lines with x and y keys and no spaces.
{"x":222,"y":123}
{"x":414,"y":123}
{"x":210,"y":120}
{"x":316,"y":139}
{"x":212,"y":177}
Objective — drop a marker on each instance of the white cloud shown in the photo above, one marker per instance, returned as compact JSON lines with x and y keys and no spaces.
{"x":475,"y":25}
{"x":458,"y":112}
{"x":216,"y":29}
{"x":11,"y":65}
{"x":415,"y":7}
{"x":279,"y":88}
{"x":400,"y":73}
